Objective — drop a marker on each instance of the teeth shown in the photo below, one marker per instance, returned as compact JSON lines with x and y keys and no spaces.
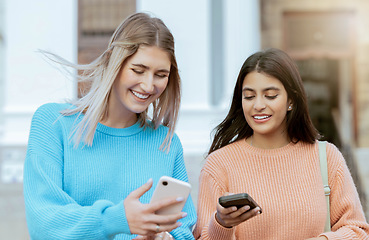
{"x":139,"y":95}
{"x":260,"y":117}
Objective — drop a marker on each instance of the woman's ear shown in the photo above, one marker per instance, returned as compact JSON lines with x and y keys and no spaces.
{"x":290,"y":105}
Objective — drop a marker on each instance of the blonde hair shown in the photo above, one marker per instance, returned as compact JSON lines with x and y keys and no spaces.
{"x":138,"y":29}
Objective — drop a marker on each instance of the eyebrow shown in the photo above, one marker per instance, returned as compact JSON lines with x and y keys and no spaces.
{"x":146,"y":67}
{"x":264,"y":90}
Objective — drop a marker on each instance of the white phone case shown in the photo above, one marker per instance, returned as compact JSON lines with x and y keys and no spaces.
{"x":171,"y":187}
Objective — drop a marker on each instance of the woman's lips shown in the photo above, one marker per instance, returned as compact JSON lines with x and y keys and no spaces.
{"x":140,"y":95}
{"x":261,"y":118}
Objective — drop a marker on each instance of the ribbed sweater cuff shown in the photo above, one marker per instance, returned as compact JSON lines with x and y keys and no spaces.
{"x":217,"y":231}
{"x":338,"y":235}
{"x":115,"y":221}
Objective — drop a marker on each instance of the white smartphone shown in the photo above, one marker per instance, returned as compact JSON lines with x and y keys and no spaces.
{"x":171,"y":187}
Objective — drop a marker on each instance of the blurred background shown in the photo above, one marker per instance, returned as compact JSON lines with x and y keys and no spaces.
{"x":328,"y":39}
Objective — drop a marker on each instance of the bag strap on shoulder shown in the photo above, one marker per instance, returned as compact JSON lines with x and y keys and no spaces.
{"x":324,"y":172}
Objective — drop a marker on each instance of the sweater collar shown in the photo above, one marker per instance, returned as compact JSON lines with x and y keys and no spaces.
{"x":269,"y":152}
{"x":123,"y":132}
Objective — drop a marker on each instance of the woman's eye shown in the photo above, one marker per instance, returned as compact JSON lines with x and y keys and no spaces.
{"x":272,"y":97}
{"x":137,"y":71}
{"x":162,"y":75}
{"x":248,"y":97}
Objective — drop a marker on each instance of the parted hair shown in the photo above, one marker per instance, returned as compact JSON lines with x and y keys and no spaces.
{"x":278,"y":64}
{"x":136,"y":30}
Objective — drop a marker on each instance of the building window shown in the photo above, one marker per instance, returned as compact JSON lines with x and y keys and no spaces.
{"x":97,"y":20}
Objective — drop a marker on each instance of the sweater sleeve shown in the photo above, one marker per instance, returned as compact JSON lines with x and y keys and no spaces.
{"x":347,"y":216}
{"x":207,"y":227}
{"x":51,"y":213}
{"x":184,"y":232}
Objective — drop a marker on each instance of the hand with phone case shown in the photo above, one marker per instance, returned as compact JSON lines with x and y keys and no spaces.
{"x":233,"y":209}
{"x":143,"y":219}
{"x":170,"y":187}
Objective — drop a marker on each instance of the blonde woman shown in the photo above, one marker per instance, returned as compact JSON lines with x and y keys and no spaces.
{"x":91,"y":164}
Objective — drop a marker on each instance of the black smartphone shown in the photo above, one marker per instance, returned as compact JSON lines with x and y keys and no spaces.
{"x":239,"y":200}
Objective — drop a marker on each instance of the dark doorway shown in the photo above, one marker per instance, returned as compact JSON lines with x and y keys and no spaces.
{"x":321,"y":81}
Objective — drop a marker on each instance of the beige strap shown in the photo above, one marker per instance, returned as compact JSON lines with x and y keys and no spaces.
{"x":327,"y":189}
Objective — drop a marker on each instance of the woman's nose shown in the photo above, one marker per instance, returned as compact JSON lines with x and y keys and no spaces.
{"x":259,"y":104}
{"x":147,"y":84}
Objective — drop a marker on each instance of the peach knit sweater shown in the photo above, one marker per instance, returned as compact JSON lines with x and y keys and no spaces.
{"x":287,"y":184}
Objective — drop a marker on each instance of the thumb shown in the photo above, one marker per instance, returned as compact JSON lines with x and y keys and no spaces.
{"x":141,"y":190}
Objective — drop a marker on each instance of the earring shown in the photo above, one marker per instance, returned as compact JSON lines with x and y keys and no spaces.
{"x":290,"y":107}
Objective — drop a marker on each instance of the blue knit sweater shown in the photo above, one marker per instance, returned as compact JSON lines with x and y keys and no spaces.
{"x":78,"y":193}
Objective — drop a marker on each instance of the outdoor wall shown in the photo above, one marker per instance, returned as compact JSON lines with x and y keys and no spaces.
{"x":29,"y":80}
{"x":2,"y":64}
{"x":26,"y":82}
{"x":353,"y":115}
{"x":272,"y":36}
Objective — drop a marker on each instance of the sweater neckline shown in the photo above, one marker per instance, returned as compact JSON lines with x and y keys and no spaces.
{"x":122,"y":132}
{"x":270,"y":152}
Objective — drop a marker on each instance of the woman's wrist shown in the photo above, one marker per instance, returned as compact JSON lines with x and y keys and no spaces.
{"x":219,"y":222}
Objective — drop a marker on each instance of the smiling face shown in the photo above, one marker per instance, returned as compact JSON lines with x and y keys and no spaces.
{"x":265,"y":104}
{"x":141,"y":80}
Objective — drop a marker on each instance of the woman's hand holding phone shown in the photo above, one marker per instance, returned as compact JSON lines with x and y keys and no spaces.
{"x":142,"y":218}
{"x":230,"y":216}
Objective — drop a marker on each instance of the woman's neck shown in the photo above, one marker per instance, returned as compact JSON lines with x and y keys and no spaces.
{"x":118,"y":122}
{"x":118,"y":119}
{"x":116,"y":116}
{"x":268,"y":142}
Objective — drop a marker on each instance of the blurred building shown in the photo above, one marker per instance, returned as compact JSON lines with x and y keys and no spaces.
{"x":328,"y":39}
{"x":330,"y":43}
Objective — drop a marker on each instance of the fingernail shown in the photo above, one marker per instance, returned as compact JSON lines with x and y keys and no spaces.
{"x":149,"y":182}
{"x":246,"y":207}
{"x":180,"y":199}
{"x":179,"y":224}
{"x":184,"y":214}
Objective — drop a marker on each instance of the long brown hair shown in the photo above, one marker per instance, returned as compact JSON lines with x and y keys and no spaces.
{"x":278,"y":64}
